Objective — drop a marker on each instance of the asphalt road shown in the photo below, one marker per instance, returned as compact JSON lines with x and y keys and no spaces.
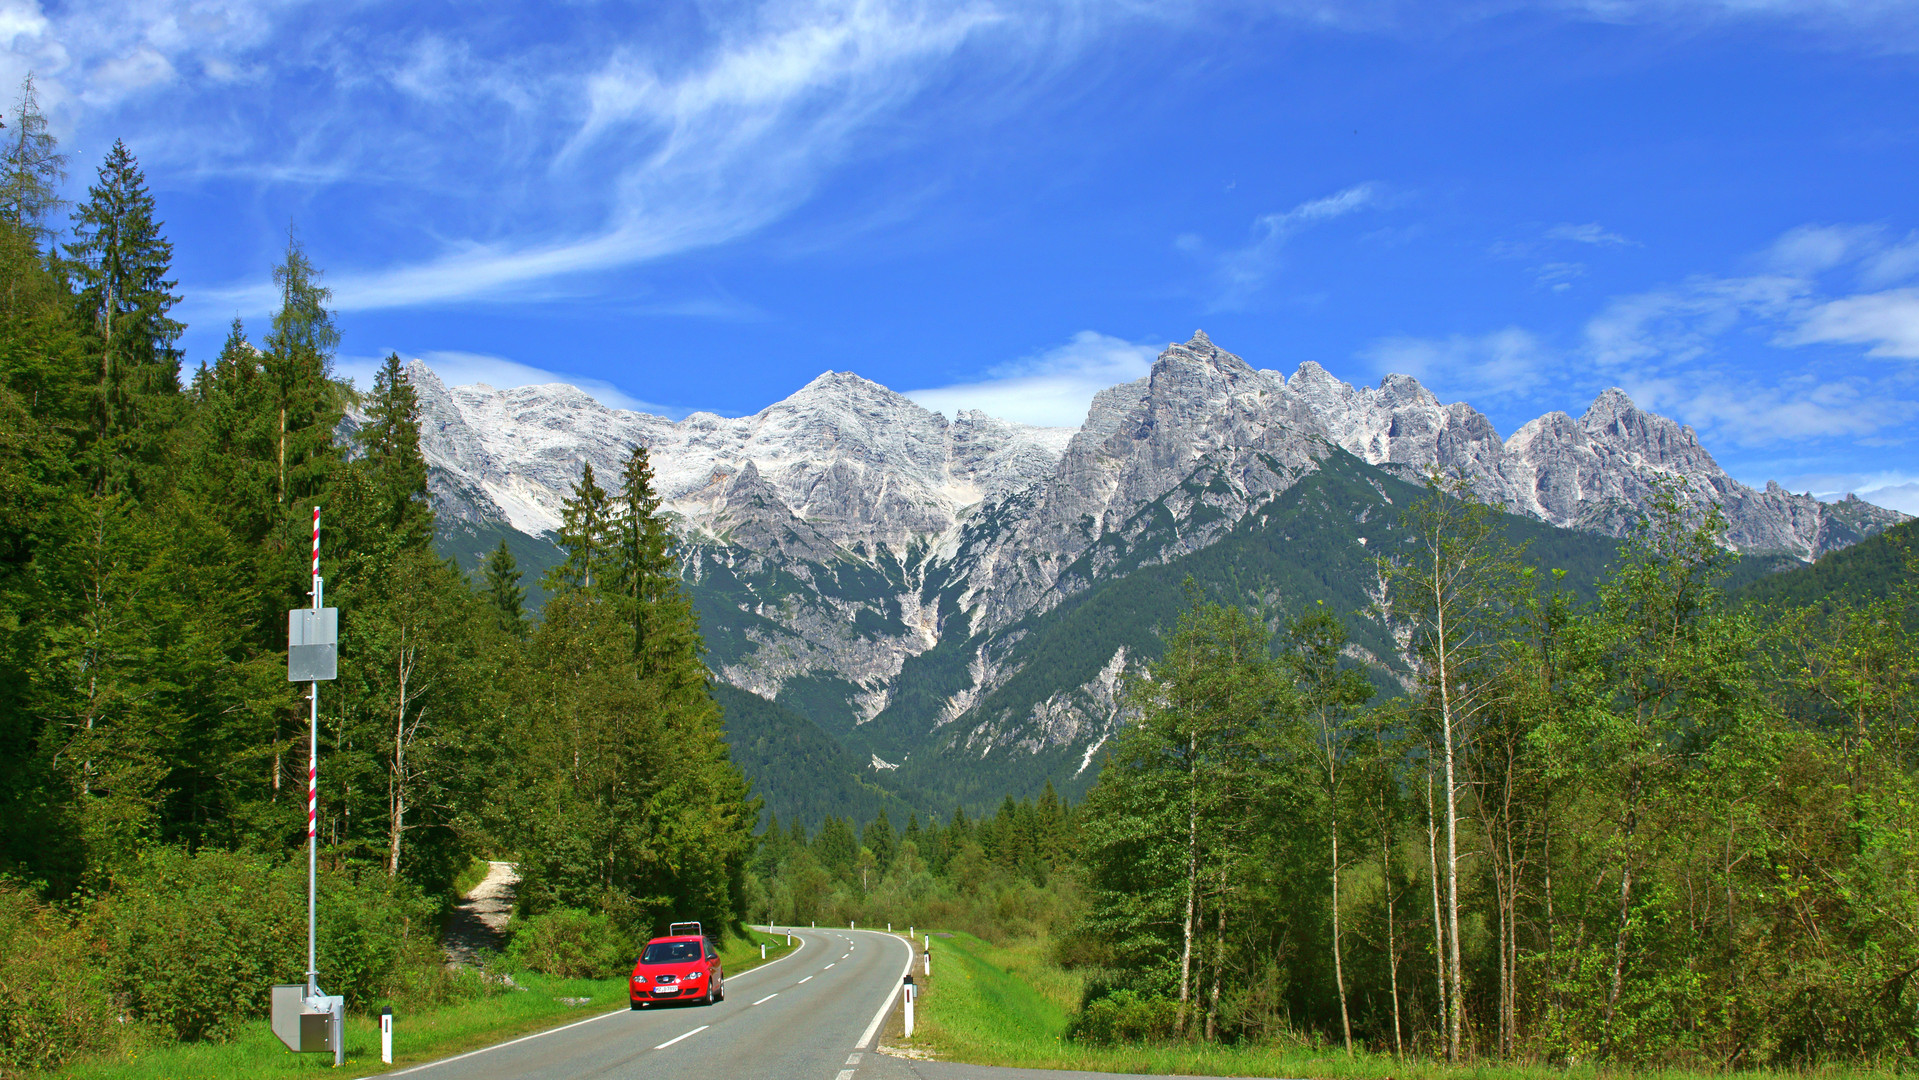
{"x":798,"y":1018}
{"x":814,"y":1014}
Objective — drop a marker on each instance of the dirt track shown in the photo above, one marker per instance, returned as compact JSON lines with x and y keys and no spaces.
{"x":478,"y":925}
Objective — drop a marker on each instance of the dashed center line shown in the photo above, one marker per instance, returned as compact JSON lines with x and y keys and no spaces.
{"x":809,"y":978}
{"x":845,"y":1074}
{"x":677,"y":1038}
{"x":764,"y":1000}
{"x":853,"y":1059}
{"x":830,"y":965}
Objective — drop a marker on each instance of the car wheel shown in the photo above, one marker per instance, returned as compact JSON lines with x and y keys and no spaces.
{"x":709,"y":999}
{"x":719,"y":991}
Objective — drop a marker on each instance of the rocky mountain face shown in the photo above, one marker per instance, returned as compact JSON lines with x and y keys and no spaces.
{"x":935,"y":593}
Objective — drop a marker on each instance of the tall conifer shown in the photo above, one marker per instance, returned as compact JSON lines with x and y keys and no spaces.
{"x":584,"y":527}
{"x":119,"y":262}
{"x":503,"y":590}
{"x":31,"y":169}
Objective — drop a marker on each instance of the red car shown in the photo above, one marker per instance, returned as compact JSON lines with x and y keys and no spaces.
{"x":681,"y":967}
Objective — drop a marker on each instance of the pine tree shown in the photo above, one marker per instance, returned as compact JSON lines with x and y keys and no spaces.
{"x":503,"y":590}
{"x":391,"y":441}
{"x":299,"y":367}
{"x":119,"y":262}
{"x":585,"y":522}
{"x":31,"y":171}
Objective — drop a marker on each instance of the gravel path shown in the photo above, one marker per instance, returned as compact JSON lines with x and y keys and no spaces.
{"x":478,"y":926}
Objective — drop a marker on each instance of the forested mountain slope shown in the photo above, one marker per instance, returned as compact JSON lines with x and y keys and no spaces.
{"x":1859,"y":574}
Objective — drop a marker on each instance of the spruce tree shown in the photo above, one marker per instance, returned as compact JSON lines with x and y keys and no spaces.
{"x":665,"y":631}
{"x":584,"y":527}
{"x":31,"y":170}
{"x":503,"y":590}
{"x":299,"y":366}
{"x":391,"y":442}
{"x":118,"y":263}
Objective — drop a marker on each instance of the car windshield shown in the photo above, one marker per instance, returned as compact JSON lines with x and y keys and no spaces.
{"x":670,"y":952}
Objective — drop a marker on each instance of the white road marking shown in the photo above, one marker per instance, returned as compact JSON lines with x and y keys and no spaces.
{"x":845,"y":1074}
{"x":764,"y":1000}
{"x":829,"y":966}
{"x":501,"y":1046}
{"x":873,"y":1028}
{"x":809,"y":978}
{"x":853,"y":1059}
{"x":677,"y":1038}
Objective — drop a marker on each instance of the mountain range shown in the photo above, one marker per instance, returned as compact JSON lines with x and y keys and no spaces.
{"x":952,"y":604}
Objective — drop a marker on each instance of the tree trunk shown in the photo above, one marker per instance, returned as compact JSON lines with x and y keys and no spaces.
{"x":1219,"y":959}
{"x":1625,"y":909}
{"x":1192,"y":882}
{"x":1439,"y":925}
{"x":1392,"y":944}
{"x":1339,"y":968}
{"x":1452,"y":883}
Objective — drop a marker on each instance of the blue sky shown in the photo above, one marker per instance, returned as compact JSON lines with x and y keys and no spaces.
{"x":1011,"y":204}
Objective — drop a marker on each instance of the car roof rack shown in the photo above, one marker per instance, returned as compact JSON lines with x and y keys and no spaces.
{"x":685,"y":929}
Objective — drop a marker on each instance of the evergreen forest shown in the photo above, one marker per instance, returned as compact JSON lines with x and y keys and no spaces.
{"x":156,"y":523}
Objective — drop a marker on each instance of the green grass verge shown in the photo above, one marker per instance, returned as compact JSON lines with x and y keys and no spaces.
{"x":1009,"y":1005}
{"x":540,"y":1004}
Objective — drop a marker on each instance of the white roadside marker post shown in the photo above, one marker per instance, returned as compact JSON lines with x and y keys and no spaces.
{"x":386,"y":1035}
{"x":928,"y":957}
{"x":762,"y":950}
{"x":909,"y":1006}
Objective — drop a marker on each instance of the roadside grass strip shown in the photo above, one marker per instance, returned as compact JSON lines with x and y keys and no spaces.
{"x":419,"y":1037}
{"x":1009,"y":1006}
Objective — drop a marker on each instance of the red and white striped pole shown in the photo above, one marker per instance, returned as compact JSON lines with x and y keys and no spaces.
{"x":313,"y":787}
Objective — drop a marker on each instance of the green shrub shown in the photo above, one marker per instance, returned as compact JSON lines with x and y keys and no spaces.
{"x":1124,"y":1016}
{"x":370,"y":929}
{"x":570,"y":943}
{"x":55,"y":1003}
{"x":198,"y":939}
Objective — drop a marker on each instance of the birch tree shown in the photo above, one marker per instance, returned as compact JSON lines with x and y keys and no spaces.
{"x":1452,"y":590}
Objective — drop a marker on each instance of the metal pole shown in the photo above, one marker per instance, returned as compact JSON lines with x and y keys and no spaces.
{"x":313,"y":788}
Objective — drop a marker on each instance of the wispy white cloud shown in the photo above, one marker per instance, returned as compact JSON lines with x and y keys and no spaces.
{"x":1887,"y":322}
{"x":1050,"y":389}
{"x":1718,"y":352}
{"x":1243,"y":271}
{"x":1591,"y":233}
{"x":1505,"y":364}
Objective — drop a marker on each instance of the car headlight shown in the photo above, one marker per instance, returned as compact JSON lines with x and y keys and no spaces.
{"x":691,"y":976}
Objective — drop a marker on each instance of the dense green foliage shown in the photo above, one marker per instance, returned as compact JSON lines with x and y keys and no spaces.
{"x":1000,"y":876}
{"x":1867,"y":571}
{"x":152,"y":752}
{"x":1646,"y":824}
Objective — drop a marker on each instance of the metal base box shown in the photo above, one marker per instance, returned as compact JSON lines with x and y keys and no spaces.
{"x":303,"y":1027}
